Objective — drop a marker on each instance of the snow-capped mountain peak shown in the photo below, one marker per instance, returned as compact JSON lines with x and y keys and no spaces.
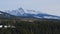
{"x":16,"y":12}
{"x":31,"y":13}
{"x":21,"y":11}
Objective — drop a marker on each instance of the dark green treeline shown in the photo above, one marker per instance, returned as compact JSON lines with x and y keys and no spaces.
{"x":36,"y":27}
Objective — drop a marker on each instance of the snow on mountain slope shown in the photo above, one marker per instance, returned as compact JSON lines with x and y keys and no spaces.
{"x":31,"y":13}
{"x":48,"y":16}
{"x":17,"y":12}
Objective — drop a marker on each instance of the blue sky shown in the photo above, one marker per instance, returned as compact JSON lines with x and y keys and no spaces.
{"x":46,"y":6}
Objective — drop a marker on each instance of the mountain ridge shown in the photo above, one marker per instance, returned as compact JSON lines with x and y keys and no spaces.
{"x":31,"y":14}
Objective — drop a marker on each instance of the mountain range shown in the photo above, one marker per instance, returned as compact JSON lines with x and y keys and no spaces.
{"x":4,"y":15}
{"x":30,"y":14}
